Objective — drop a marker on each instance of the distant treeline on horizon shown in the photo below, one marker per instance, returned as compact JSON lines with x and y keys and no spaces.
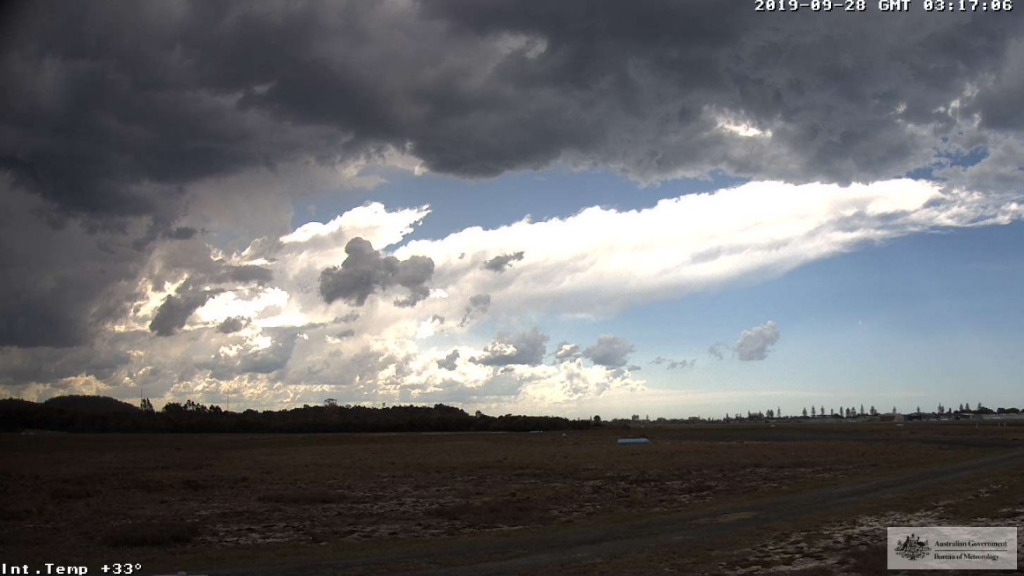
{"x":104,"y":414}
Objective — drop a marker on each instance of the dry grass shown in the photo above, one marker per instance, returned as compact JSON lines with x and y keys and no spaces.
{"x":138,"y":534}
{"x":233,"y":496}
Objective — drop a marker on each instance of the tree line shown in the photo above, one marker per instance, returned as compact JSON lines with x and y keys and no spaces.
{"x":103,"y":414}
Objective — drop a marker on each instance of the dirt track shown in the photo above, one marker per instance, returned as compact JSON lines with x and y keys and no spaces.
{"x":545,"y":552}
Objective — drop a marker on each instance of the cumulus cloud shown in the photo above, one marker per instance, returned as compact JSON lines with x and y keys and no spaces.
{"x":365,"y":271}
{"x":500,"y":263}
{"x":609,"y":351}
{"x":756,"y":343}
{"x":522,"y":348}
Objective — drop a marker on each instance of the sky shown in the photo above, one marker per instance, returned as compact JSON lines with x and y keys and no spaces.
{"x":571,"y":208}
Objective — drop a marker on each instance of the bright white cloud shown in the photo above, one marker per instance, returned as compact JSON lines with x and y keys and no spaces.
{"x":293,"y":347}
{"x":601,"y":261}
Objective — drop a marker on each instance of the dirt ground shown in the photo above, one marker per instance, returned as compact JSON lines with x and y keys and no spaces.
{"x":391,"y":503}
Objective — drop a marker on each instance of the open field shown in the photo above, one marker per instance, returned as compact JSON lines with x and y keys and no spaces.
{"x":740,"y":498}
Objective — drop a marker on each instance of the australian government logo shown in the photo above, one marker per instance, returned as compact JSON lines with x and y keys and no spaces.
{"x":952,"y":548}
{"x":912,"y":548}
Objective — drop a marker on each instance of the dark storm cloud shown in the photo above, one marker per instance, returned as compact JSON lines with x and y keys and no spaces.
{"x":108,"y":96}
{"x":172,"y":315}
{"x":523,"y":348}
{"x":365,"y":271}
{"x":500,"y":263}
{"x":609,"y":351}
{"x":114,"y":110}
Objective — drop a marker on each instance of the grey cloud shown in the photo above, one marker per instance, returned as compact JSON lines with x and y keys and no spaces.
{"x":567,"y":351}
{"x":609,"y":351}
{"x":350,"y":317}
{"x":114,"y":111}
{"x":523,"y":348}
{"x":142,"y":99}
{"x":231,"y":325}
{"x":500,"y":263}
{"x":671,"y":364}
{"x":365,"y":271}
{"x":450,"y":361}
{"x":478,"y":305}
{"x":717,"y":350}
{"x":249,"y":273}
{"x":181,"y":233}
{"x":49,"y":365}
{"x":172,"y":315}
{"x":60,"y":286}
{"x":754,"y":344}
{"x":273,"y":358}
{"x":677,"y":364}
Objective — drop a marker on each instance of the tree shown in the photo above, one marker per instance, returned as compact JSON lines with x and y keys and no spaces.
{"x":805,"y":412}
{"x":861,"y":409}
{"x":814,"y":412}
{"x":942,"y":409}
{"x":146,"y":405}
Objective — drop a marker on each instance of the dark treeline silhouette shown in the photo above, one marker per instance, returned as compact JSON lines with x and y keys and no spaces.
{"x":102,"y":414}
